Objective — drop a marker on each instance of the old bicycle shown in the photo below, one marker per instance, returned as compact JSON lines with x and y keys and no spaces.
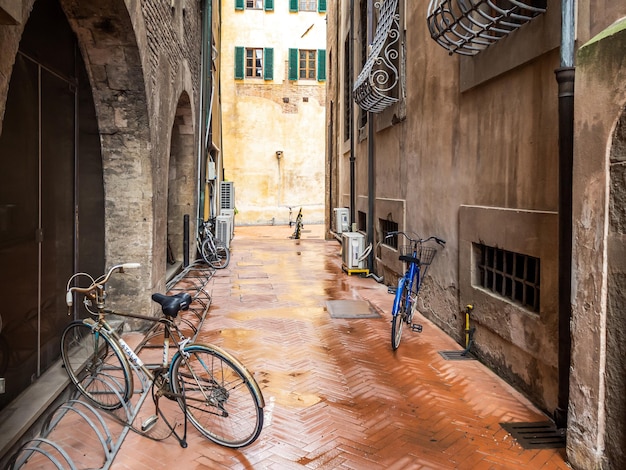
{"x":213,"y":251}
{"x":418,"y":255}
{"x":215,"y":391}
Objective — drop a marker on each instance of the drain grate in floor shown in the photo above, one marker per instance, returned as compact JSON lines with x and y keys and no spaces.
{"x":456,"y":355}
{"x":542,"y":435}
{"x":351,"y":309}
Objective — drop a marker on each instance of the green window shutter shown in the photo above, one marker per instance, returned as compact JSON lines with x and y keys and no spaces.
{"x":293,"y":64}
{"x":268,"y":64}
{"x":321,"y":6}
{"x":239,"y":62}
{"x":321,"y":65}
{"x":269,"y":5}
{"x":238,"y":4}
{"x":293,"y":5}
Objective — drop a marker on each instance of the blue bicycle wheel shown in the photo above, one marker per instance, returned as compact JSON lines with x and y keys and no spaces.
{"x":398,"y":313}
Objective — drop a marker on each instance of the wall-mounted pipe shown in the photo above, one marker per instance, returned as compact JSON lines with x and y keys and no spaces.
{"x":565,"y":78}
{"x":351,"y":104}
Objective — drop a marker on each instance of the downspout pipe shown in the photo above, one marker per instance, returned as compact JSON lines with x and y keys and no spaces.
{"x":565,"y":75}
{"x":204,"y":117}
{"x":351,"y":105}
{"x":370,"y":153}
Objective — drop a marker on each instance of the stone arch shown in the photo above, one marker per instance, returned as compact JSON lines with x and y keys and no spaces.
{"x":181,"y":182}
{"x":109,"y":41}
{"x":596,"y":434}
{"x":615,"y":375}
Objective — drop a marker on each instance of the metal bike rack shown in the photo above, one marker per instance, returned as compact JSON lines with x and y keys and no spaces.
{"x":195,"y":277}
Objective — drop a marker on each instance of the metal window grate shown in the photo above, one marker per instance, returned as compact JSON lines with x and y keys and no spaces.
{"x":387,"y":226}
{"x":514,"y":276}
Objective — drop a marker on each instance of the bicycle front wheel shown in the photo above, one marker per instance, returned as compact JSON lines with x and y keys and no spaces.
{"x":217,"y":254}
{"x":399,"y":314}
{"x":219,"y":396}
{"x":96,"y":366}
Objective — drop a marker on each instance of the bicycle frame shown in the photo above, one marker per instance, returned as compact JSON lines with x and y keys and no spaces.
{"x":411,"y":276}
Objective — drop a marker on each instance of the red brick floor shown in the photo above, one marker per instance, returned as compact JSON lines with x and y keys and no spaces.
{"x":336,"y":395}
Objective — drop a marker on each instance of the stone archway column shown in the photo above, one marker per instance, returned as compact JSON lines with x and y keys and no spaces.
{"x":600,"y":98}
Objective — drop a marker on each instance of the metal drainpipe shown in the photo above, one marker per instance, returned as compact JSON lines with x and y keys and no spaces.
{"x":351,"y":104}
{"x":370,"y":153}
{"x":565,"y":78}
{"x":203,"y":118}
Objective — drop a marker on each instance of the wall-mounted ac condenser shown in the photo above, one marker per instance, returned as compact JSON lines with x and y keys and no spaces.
{"x":223,"y":229}
{"x":342,"y":219}
{"x":352,"y":247}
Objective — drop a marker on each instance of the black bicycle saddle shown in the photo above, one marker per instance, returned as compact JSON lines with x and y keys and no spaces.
{"x":172,"y":304}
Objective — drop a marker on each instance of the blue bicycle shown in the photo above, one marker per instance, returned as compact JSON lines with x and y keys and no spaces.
{"x":418,"y":256}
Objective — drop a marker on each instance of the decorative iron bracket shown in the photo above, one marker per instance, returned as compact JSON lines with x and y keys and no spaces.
{"x":375,"y":87}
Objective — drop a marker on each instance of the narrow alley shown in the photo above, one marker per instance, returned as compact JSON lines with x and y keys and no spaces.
{"x":336,"y":395}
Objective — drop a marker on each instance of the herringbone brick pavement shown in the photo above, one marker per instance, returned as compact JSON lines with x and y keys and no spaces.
{"x":337,"y":396}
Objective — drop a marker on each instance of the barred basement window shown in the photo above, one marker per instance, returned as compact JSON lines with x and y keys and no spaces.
{"x":387,"y":226}
{"x":514,"y":276}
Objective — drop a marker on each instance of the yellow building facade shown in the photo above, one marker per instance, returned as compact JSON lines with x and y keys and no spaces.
{"x":273,"y":79}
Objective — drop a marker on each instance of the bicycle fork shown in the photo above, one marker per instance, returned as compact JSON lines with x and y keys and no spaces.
{"x":410,"y":301}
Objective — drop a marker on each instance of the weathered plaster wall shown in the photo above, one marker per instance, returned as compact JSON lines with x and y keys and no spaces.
{"x":596,"y":432}
{"x":263,"y":117}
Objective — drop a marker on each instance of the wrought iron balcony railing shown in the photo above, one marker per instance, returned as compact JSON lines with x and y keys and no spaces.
{"x":467,"y":27}
{"x":376,"y":87}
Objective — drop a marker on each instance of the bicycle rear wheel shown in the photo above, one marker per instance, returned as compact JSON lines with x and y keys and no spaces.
{"x":399,"y":313}
{"x":219,"y":396}
{"x":96,"y":366}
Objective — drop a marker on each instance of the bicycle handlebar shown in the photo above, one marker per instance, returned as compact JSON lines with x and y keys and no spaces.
{"x":96,"y":283}
{"x":440,"y":241}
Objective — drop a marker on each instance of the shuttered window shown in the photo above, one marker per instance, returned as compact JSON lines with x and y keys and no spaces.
{"x":238,"y":4}
{"x":307,"y":64}
{"x":321,"y":6}
{"x":269,"y":5}
{"x":253,"y":62}
{"x":293,"y":5}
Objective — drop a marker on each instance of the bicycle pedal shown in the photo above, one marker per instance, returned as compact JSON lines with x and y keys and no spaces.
{"x":149,"y":423}
{"x":416,"y":327}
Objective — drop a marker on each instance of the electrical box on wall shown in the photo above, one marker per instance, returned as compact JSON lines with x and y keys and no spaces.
{"x":211,"y":171}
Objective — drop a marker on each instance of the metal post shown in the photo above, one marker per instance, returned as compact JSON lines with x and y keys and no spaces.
{"x":186,"y":240}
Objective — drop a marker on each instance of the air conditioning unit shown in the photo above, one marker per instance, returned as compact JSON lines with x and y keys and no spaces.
{"x":352,"y":247}
{"x":223,"y":229}
{"x":342,"y":219}
{"x":231,"y":214}
{"x":227,"y":195}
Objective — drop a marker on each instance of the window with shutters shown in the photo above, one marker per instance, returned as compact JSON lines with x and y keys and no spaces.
{"x":267,"y":5}
{"x":254,"y":62}
{"x":307,"y":64}
{"x":254,"y":4}
{"x":307,"y":5}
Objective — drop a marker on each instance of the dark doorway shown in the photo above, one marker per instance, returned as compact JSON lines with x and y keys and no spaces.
{"x":51,"y":172}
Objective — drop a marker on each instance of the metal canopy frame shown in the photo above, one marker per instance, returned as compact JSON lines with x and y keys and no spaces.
{"x":467,"y":27}
{"x":374,"y":87}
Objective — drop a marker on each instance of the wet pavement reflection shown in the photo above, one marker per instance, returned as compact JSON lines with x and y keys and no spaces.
{"x":336,"y":395}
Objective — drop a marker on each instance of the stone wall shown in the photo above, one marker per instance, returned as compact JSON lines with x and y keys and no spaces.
{"x":143,"y":62}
